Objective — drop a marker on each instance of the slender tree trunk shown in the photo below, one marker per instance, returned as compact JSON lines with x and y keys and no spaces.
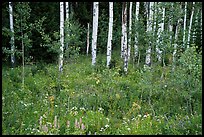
{"x":122,"y":48}
{"x":184,"y":26}
{"x":195,"y":25}
{"x":22,"y":44}
{"x":125,"y":36}
{"x":67,"y":19}
{"x":160,"y":39}
{"x":149,"y":29}
{"x":176,"y":42}
{"x":171,"y":25}
{"x":189,"y":30}
{"x":12,"y":36}
{"x":110,"y":33}
{"x":87,"y":49}
{"x":130,"y":30}
{"x":95,"y":30}
{"x":136,"y":34}
{"x":67,"y":10}
{"x":61,"y":36}
{"x":201,"y":26}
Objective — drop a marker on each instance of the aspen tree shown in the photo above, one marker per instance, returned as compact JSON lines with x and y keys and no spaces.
{"x":176,"y":41}
{"x":61,"y":36}
{"x":12,"y":36}
{"x":110,"y":33}
{"x":160,"y":30}
{"x":189,"y":30}
{"x":136,"y":34}
{"x":130,"y":30}
{"x":95,"y":30}
{"x":125,"y":36}
{"x":87,"y":47}
{"x":184,"y":24}
{"x":149,"y":29}
{"x":67,"y":20}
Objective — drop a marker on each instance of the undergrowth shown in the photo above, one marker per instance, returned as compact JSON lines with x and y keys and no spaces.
{"x":96,"y":100}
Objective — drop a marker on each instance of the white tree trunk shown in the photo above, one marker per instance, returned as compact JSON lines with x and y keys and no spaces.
{"x":136,"y":34}
{"x":67,"y":10}
{"x":171,"y":25}
{"x":130,"y":30}
{"x":95,"y":30}
{"x":184,"y":26}
{"x":67,"y":19}
{"x":12,"y":37}
{"x":160,"y":30}
{"x":201,"y":26}
{"x":189,"y":30}
{"x":149,"y":29}
{"x":176,"y":41}
{"x":196,"y":24}
{"x":122,"y":48}
{"x":61,"y":36}
{"x":87,"y":49}
{"x":110,"y":33}
{"x":155,"y":18}
{"x":125,"y":36}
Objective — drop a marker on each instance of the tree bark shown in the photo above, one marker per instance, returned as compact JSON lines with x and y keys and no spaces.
{"x":130,"y":30}
{"x":125,"y":36}
{"x":189,"y":30}
{"x":184,"y":26}
{"x":87,"y":49}
{"x":12,"y":36}
{"x":160,"y":31}
{"x":61,"y":36}
{"x":149,"y":29}
{"x":136,"y":34}
{"x":110,"y":33}
{"x":95,"y":30}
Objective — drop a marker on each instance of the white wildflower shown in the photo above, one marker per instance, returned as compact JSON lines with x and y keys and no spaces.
{"x":106,"y":126}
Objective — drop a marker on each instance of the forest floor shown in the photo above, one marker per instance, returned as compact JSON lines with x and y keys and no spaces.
{"x":87,"y":100}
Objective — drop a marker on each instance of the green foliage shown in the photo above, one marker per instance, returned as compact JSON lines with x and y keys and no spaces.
{"x":73,"y":38}
{"x":142,"y":102}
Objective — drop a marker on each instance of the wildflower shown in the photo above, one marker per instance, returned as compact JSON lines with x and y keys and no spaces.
{"x":82,"y":126}
{"x":76,"y":123}
{"x":108,"y":119}
{"x":128,"y":129}
{"x":89,"y":133}
{"x":40,"y":121}
{"x":44,"y":115}
{"x":55,"y":122}
{"x":82,"y":108}
{"x":75,"y":113}
{"x":80,"y":120}
{"x":106,"y":126}
{"x":133,"y":119}
{"x":101,"y":129}
{"x":68,"y":123}
{"x":100,"y":109}
{"x":58,"y":125}
{"x":45,"y":128}
{"x":97,"y":81}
